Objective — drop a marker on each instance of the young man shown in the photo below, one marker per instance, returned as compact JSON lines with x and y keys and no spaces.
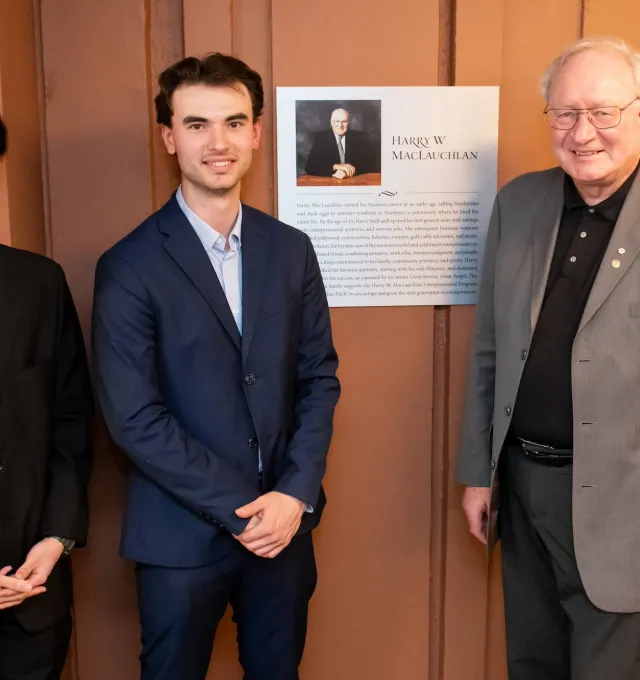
{"x":45,"y":413}
{"x":217,"y":378}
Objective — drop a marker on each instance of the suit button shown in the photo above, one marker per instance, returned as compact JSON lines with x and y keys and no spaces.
{"x":1,"y":465}
{"x":524,"y":354}
{"x":507,"y":410}
{"x":493,"y":466}
{"x":253,"y":443}
{"x":250,"y":379}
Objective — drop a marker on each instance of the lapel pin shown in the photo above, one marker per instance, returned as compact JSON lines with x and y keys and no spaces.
{"x":616,"y":264}
{"x":621,"y":251}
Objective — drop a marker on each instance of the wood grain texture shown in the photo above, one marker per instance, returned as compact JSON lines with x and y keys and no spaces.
{"x":105,"y":176}
{"x":370,"y":616}
{"x":393,"y":522}
{"x":22,"y":221}
{"x":207,"y":26}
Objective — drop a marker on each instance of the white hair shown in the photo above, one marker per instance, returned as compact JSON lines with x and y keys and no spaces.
{"x":604,"y":43}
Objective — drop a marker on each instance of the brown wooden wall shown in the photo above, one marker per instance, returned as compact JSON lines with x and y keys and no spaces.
{"x":403,"y":592}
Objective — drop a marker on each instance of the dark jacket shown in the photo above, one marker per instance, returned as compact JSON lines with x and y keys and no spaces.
{"x":191,"y":402}
{"x":359,"y":152}
{"x":45,"y":414}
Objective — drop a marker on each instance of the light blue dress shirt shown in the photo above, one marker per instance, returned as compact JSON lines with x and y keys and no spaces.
{"x":226,"y":261}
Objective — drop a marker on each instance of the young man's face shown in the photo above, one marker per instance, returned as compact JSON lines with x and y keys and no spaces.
{"x":213,"y":134}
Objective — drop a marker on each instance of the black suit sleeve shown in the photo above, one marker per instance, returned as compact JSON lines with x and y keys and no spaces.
{"x":320,"y":160}
{"x":362,"y":152}
{"x":66,"y":508}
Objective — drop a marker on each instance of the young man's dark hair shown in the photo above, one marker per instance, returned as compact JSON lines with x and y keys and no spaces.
{"x":3,"y":138}
{"x":214,"y":69}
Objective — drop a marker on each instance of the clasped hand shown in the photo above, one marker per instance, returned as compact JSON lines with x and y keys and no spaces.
{"x":29,"y":579}
{"x":274,"y":521}
{"x":343,"y":170}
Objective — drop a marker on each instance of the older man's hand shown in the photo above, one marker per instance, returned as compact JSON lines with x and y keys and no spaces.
{"x":475,"y":503}
{"x":345,"y":169}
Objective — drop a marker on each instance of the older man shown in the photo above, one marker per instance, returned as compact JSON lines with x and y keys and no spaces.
{"x":554,"y":382}
{"x":341,"y":152}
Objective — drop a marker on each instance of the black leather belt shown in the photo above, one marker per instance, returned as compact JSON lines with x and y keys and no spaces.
{"x":548,"y":455}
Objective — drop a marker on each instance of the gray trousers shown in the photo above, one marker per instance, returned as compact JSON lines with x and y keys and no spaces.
{"x":554,"y":632}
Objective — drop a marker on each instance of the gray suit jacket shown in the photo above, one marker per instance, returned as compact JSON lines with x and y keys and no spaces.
{"x":605,"y":369}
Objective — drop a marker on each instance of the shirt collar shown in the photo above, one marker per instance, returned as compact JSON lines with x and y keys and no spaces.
{"x":609,"y":208}
{"x":209,"y":237}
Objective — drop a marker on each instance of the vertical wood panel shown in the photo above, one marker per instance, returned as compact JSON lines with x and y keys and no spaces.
{"x":98,"y":137}
{"x":21,"y":196}
{"x":360,"y":42}
{"x":103,"y":179}
{"x":207,"y":26}
{"x":613,"y":17}
{"x":479,"y":30}
{"x":533,"y":34}
{"x":370,"y":616}
{"x":165,"y":46}
{"x":252,"y":44}
{"x":440,"y":409}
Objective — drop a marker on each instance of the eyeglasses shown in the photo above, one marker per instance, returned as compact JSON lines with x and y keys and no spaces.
{"x":602,"y":117}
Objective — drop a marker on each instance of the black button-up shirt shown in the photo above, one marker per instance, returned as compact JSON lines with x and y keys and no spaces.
{"x":543,"y":410}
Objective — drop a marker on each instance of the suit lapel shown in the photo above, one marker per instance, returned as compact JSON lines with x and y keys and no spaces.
{"x":625,"y":237}
{"x":255,"y":252}
{"x":185,"y":248}
{"x":544,"y":234}
{"x":10,"y":311}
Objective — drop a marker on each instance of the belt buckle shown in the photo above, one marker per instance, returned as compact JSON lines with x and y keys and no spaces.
{"x":539,"y":451}
{"x":543,"y":452}
{"x":535,"y":444}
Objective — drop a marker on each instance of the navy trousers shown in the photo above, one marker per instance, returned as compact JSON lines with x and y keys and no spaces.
{"x":180,"y":609}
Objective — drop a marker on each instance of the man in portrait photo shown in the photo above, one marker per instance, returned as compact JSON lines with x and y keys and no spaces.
{"x":341,"y":152}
